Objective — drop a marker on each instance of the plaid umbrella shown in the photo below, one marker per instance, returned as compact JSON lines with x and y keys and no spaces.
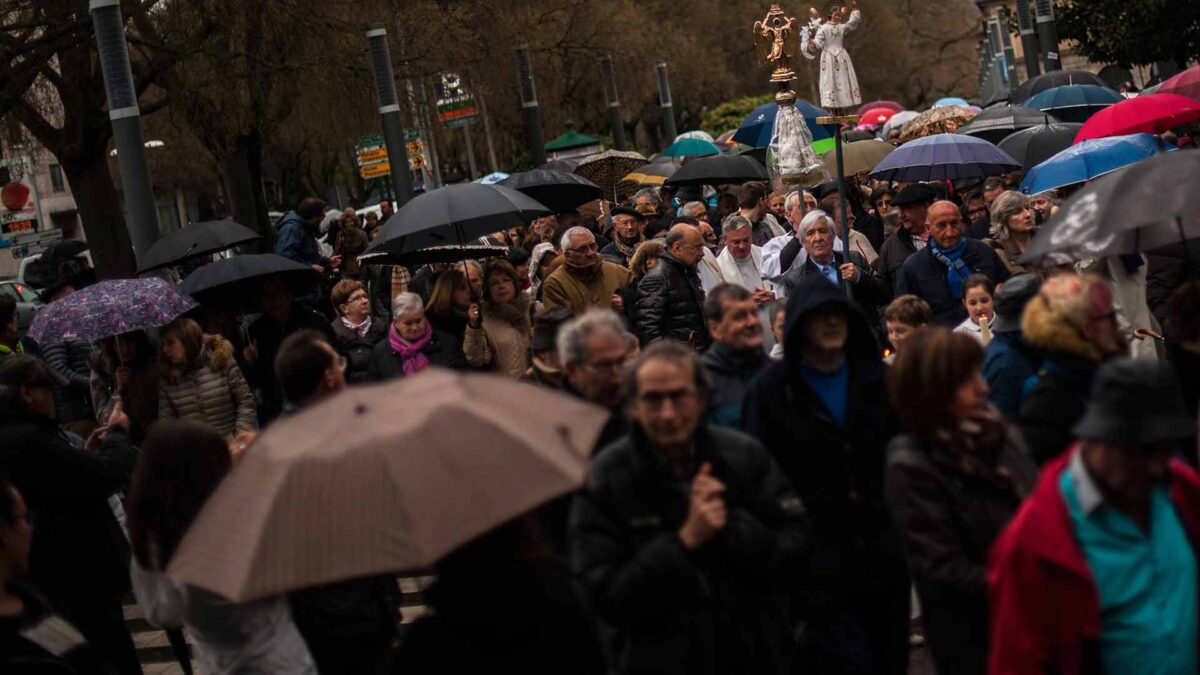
{"x":944,"y":120}
{"x":607,"y":168}
{"x":109,"y":308}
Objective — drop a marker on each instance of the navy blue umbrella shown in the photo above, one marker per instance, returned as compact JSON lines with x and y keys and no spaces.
{"x":944,"y":157}
{"x":757,"y":127}
{"x":1074,"y":102}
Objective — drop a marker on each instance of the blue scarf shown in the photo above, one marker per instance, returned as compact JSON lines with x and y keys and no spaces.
{"x":956,"y":270}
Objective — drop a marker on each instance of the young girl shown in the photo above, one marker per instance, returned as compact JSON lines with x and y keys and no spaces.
{"x":977,"y":298}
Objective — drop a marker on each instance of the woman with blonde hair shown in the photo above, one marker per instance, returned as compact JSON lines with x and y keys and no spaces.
{"x":199,"y":380}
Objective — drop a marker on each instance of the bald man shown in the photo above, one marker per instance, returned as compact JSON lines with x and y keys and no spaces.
{"x":936,"y":273}
{"x":670,"y":299}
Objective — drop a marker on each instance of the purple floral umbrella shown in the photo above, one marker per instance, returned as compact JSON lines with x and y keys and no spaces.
{"x":109,"y":308}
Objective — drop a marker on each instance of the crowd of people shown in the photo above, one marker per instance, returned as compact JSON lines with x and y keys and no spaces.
{"x":827,"y":441}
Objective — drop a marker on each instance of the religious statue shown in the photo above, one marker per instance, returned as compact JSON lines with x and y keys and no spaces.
{"x":839,"y":84}
{"x":774,"y":30}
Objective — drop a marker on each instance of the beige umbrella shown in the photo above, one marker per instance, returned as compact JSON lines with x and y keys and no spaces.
{"x":385,"y":478}
{"x":858,"y":157}
{"x":607,"y":168}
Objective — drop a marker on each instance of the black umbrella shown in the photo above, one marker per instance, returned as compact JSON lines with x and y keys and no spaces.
{"x":719,"y":170}
{"x":564,"y":165}
{"x":434,"y":255}
{"x":1056,"y":78}
{"x":196,"y":241}
{"x":455,"y":214}
{"x":1126,"y":211}
{"x":1000,"y":121}
{"x":238,"y":276}
{"x":558,"y":191}
{"x":1035,"y":145}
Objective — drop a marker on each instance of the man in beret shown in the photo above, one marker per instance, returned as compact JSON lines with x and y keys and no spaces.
{"x":913,"y":202}
{"x":629,"y":230}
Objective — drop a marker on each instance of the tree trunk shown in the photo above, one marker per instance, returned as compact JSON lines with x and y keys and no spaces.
{"x":102,"y":218}
{"x":241,"y":172}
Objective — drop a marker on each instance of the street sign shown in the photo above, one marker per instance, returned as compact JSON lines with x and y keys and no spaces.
{"x":455,"y":102}
{"x":375,"y":170}
{"x":18,"y":196}
{"x":416,"y":162}
{"x":366,"y":157}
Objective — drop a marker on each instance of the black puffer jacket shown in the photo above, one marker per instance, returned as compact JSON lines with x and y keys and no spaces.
{"x":357,"y":350}
{"x":72,"y":360}
{"x":671,"y":610}
{"x":670,"y":304}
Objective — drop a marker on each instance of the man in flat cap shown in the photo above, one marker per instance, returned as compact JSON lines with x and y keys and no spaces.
{"x":913,"y":202}
{"x":629,"y":230}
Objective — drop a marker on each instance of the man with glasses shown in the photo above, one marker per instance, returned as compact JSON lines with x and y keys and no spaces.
{"x":686,"y":533}
{"x":670,"y":298}
{"x":629,"y":230}
{"x":585,"y":280}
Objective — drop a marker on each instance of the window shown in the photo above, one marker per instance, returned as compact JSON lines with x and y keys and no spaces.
{"x":56,"y":178}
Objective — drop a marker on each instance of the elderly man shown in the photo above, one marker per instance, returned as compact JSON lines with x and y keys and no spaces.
{"x":685,"y":533}
{"x":1098,"y":572}
{"x":741,"y":261}
{"x":586,"y":280}
{"x":695,"y":210}
{"x":669,"y":297}
{"x":737,"y":354}
{"x":913,"y":202}
{"x":629,"y":230}
{"x":1045,"y":204}
{"x":846,"y":271}
{"x":780,"y":253}
{"x":936,"y":273}
{"x":752,"y":205}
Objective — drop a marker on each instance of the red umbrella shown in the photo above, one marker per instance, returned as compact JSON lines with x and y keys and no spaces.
{"x":890,"y":105}
{"x":1153,"y":114}
{"x":1186,"y":84}
{"x":877,"y":116}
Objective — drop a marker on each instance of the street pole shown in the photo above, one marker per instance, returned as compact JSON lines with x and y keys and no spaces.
{"x":487,"y":133}
{"x":1029,"y":40}
{"x":665,"y":103}
{"x":614,"y":103}
{"x":389,"y":113}
{"x":529,"y":104}
{"x":998,"y":55}
{"x":126,"y":118}
{"x":1010,"y":53}
{"x":431,"y":133}
{"x":470,"y":151}
{"x":1047,"y":30}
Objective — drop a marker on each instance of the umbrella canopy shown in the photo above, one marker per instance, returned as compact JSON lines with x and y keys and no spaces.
{"x":1153,"y":114}
{"x":756,"y":129}
{"x":697,"y":134}
{"x":1125,"y":212}
{"x":1088,"y":160}
{"x":1074,"y":102}
{"x":385,"y":478}
{"x":890,"y":105}
{"x":493,"y":178}
{"x":899,"y":120}
{"x":757,"y":153}
{"x":559,"y":191}
{"x":196,"y":241}
{"x":108,"y":308}
{"x":1057,"y":78}
{"x":946,"y":120}
{"x":1186,"y":84}
{"x":951,"y":100}
{"x":997,"y":122}
{"x":691,"y":147}
{"x":238,"y":276}
{"x":1035,"y":145}
{"x":719,"y":170}
{"x":858,"y":157}
{"x":877,"y":116}
{"x":563,"y":165}
{"x":944,"y":157}
{"x":655,"y":173}
{"x":454,"y":214}
{"x":434,"y":255}
{"x":607,"y":168}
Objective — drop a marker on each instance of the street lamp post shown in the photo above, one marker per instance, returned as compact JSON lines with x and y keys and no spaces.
{"x":389,"y":113}
{"x":1047,"y":30}
{"x":529,"y":103}
{"x":614,"y":103}
{"x":1029,"y":39}
{"x":666,"y":104}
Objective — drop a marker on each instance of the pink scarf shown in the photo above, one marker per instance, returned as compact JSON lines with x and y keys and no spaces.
{"x":414,"y":360}
{"x":360,"y":329}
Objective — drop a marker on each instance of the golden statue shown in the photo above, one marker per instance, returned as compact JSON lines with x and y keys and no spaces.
{"x":771,"y":37}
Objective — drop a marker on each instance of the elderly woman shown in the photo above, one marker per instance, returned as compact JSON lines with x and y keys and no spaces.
{"x":355,"y":331}
{"x":498,"y":331}
{"x":412,"y":344}
{"x":952,"y":482}
{"x":199,"y":380}
{"x":1013,"y":228}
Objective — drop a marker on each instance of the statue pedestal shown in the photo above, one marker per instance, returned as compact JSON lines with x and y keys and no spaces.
{"x":829,"y":120}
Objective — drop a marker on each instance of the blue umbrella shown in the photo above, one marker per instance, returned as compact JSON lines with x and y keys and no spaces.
{"x":757,"y":127}
{"x":944,"y":157}
{"x":492,"y":178}
{"x":1088,"y":160}
{"x":951,"y":100}
{"x":1074,"y":102}
{"x":691,"y":147}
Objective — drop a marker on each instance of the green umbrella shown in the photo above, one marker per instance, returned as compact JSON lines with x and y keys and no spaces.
{"x":691,"y":147}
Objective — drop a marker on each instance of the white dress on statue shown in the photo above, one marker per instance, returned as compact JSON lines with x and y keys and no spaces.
{"x":839,"y":84}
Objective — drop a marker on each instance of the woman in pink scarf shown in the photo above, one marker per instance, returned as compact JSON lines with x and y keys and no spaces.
{"x":412,"y":344}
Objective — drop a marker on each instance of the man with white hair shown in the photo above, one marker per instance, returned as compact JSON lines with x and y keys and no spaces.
{"x":586,"y":279}
{"x":696,"y":210}
{"x":784,"y":253}
{"x":740,"y":264}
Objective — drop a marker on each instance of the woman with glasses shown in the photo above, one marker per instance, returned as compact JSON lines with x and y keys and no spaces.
{"x":199,"y":380}
{"x":355,"y":331}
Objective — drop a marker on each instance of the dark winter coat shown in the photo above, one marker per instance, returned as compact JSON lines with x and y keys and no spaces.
{"x":72,"y":360}
{"x":1168,"y":268}
{"x":384,"y":364}
{"x":139,"y":400}
{"x":949,"y":512}
{"x":613,"y":255}
{"x":872,"y":227}
{"x":731,"y":373}
{"x":670,"y":304}
{"x":296,"y":240}
{"x":870,"y":292}
{"x":896,"y":249}
{"x":357,"y":350}
{"x":925,"y":277}
{"x":1055,"y":400}
{"x":670,"y":610}
{"x":1008,"y":363}
{"x":269,"y":334}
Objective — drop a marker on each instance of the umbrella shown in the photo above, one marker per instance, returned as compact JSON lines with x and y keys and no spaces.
{"x":944,"y":157}
{"x":691,"y":147}
{"x":1035,"y":145}
{"x":108,"y":308}
{"x":719,"y":170}
{"x":562,"y":165}
{"x":607,"y":168}
{"x":757,"y":153}
{"x":237,"y":276}
{"x":559,"y":191}
{"x":877,"y":116}
{"x":697,"y":134}
{"x":890,"y":105}
{"x":858,"y":157}
{"x":492,"y":178}
{"x":1088,"y":160}
{"x":385,"y":478}
{"x":454,"y":214}
{"x":196,"y":241}
{"x":434,"y":255}
{"x":949,"y":101}
{"x":756,"y":129}
{"x":945,"y":120}
{"x":1074,"y":102}
{"x":997,"y":122}
{"x":1125,"y":212}
{"x":1153,"y":114}
{"x":1186,"y":83}
{"x":652,"y":174}
{"x":899,"y":120}
{"x":1053,"y":79}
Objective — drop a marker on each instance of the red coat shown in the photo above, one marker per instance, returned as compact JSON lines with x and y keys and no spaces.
{"x":1045,"y":608}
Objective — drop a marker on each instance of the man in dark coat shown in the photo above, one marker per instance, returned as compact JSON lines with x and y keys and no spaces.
{"x":669,"y":299}
{"x":685,"y":534}
{"x":629,"y":230}
{"x":80,"y":556}
{"x":296,"y":236}
{"x":936,"y":273}
{"x":1009,"y":360}
{"x":824,"y":415}
{"x":913,"y":202}
{"x":736,"y":356}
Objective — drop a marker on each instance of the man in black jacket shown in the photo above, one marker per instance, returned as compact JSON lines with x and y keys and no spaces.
{"x":736,"y":356}
{"x":824,"y":415}
{"x":669,"y":297}
{"x":913,"y":202}
{"x":80,"y":557}
{"x":685,"y":533}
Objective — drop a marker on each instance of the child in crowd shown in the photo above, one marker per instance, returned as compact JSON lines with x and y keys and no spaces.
{"x":978,"y":291}
{"x":904,"y":315}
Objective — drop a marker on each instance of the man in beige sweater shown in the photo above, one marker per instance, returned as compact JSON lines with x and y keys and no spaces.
{"x":585,"y":280}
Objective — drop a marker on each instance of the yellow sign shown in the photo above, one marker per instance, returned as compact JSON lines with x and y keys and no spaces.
{"x":415,"y":148}
{"x":375,"y":155}
{"x":416,"y":162}
{"x":375,"y":170}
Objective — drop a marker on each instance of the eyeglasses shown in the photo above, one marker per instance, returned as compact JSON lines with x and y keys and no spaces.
{"x":656,"y":399}
{"x":584,"y":249}
{"x":605,"y":366}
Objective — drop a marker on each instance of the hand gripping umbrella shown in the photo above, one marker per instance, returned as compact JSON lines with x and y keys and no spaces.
{"x":196,"y":241}
{"x":108,"y":308}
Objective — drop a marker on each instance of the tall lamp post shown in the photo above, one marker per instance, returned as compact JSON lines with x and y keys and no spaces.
{"x":389,"y":113}
{"x":665,"y":103}
{"x":529,"y":104}
{"x":614,"y":103}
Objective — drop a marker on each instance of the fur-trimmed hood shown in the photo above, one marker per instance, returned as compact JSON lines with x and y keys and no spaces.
{"x":1054,"y":332}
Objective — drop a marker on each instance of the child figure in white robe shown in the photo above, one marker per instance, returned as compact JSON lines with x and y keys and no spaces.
{"x":839,"y":84}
